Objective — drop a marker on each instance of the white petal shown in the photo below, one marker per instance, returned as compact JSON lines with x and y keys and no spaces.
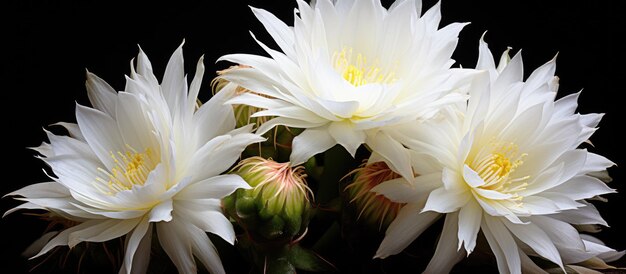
{"x":492,"y":194}
{"x":214,"y":118}
{"x":102,"y":230}
{"x":470,"y":217}
{"x":205,"y":251}
{"x":208,"y":220}
{"x":395,"y":154}
{"x":174,"y":85}
{"x":72,"y":129}
{"x":471,"y":177}
{"x":137,"y":254}
{"x":61,"y":239}
{"x":536,"y":239}
{"x":596,"y":162}
{"x":64,"y":145}
{"x":265,"y":127}
{"x":35,"y":246}
{"x":228,"y":147}
{"x":401,"y":191}
{"x":561,"y":233}
{"x":101,"y":95}
{"x":144,"y":68}
{"x":215,"y":187}
{"x":566,"y":106}
{"x":77,"y":174}
{"x":101,"y":133}
{"x":41,"y":190}
{"x":407,"y":226}
{"x":135,"y":129}
{"x":194,"y":89}
{"x":537,"y":205}
{"x":113,"y":214}
{"x":27,"y":205}
{"x":502,"y":244}
{"x":175,"y":241}
{"x":582,"y":187}
{"x":291,"y":112}
{"x":346,"y":135}
{"x":279,"y":31}
{"x":585,"y":215}
{"x":310,"y":142}
{"x":255,"y":100}
{"x":446,"y":254}
{"x":447,"y":200}
{"x":162,"y":212}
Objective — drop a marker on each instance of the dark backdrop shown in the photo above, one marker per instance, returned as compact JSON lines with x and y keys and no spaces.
{"x":48,"y":44}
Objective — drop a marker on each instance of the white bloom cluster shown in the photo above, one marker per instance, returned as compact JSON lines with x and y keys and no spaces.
{"x":494,"y":155}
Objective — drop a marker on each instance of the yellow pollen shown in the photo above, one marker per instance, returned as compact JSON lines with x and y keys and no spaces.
{"x":357,"y":71}
{"x":131,"y":168}
{"x":497,"y":167}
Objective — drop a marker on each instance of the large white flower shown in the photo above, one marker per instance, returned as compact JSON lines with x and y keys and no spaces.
{"x":142,"y":159}
{"x":348,"y":69}
{"x":507,"y":164}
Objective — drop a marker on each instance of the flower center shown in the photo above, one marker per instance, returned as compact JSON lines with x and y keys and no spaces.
{"x":497,"y":166}
{"x":131,"y":168}
{"x":355,"y":69}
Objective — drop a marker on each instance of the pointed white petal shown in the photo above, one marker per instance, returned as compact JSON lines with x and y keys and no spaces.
{"x":502,"y":244}
{"x":101,"y":133}
{"x":61,"y":239}
{"x":102,"y":230}
{"x":228,"y":147}
{"x":162,"y":212}
{"x":585,"y":215}
{"x":174,"y":85}
{"x":347,"y":136}
{"x":137,"y":254}
{"x":582,"y":187}
{"x":407,"y":226}
{"x":401,"y":191}
{"x":395,"y":154}
{"x":214,"y":188}
{"x":447,"y":200}
{"x":72,"y":129}
{"x":41,"y":190}
{"x":471,"y":177}
{"x":205,"y":251}
{"x":470,"y":217}
{"x":536,"y":239}
{"x":208,"y":220}
{"x":265,"y":127}
{"x":175,"y":241}
{"x":134,"y":127}
{"x":446,"y":254}
{"x":280,"y":32}
{"x":310,"y":142}
{"x":194,"y":89}
{"x":101,"y":95}
{"x":214,"y":118}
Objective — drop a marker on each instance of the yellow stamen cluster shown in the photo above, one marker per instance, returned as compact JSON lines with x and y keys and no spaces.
{"x":357,"y":71}
{"x":497,"y":166}
{"x":131,"y":168}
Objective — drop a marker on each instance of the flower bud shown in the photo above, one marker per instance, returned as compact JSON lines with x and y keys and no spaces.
{"x":372,"y":208}
{"x":277,"y":206}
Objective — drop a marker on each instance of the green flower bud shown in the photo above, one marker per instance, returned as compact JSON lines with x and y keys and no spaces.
{"x":372,"y":208}
{"x":277,"y":206}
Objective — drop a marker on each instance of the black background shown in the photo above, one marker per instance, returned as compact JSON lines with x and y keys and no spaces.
{"x":48,"y":44}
